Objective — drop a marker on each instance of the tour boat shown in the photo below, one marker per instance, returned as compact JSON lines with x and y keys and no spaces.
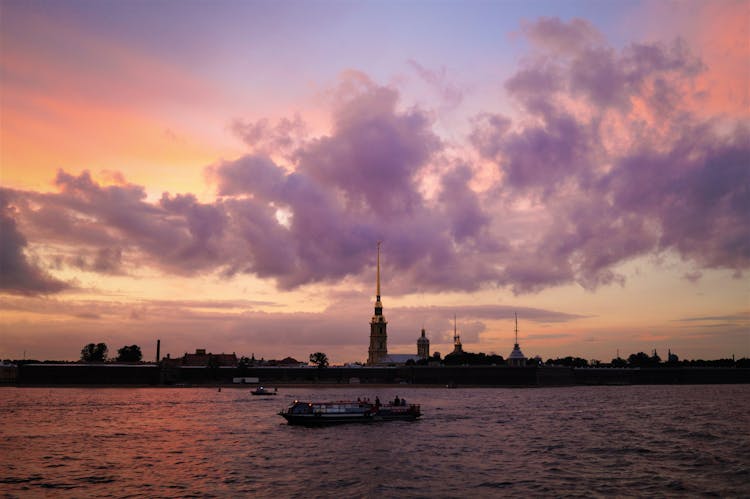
{"x":264,"y":391}
{"x":320,"y":413}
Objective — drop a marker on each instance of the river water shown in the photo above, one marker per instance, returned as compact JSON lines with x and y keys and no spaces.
{"x":674,"y":441}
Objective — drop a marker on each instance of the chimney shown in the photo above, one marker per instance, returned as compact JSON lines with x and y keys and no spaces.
{"x":158,"y":350}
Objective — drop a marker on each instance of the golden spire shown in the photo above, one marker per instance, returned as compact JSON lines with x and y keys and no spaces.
{"x":378,"y":304}
{"x":378,"y":289}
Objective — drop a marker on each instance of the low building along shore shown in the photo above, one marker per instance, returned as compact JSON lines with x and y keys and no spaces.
{"x":451,"y":376}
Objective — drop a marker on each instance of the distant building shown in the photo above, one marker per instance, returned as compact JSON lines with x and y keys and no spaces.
{"x":285,"y":362}
{"x":516,"y":357}
{"x":201,"y":358}
{"x":423,"y":346}
{"x":397,"y":359}
{"x":378,"y":350}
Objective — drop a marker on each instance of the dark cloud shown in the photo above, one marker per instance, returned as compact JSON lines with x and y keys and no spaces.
{"x":17,"y":274}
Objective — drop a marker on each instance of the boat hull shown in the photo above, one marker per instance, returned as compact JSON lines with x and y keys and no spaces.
{"x":322,"y":419}
{"x":309,"y":414}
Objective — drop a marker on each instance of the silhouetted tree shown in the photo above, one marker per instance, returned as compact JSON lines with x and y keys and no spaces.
{"x":472,"y":359}
{"x":319,"y":359}
{"x":641,"y":359}
{"x":456,"y":359}
{"x":618,"y":362}
{"x":130,"y":353}
{"x":568,"y":361}
{"x":534,"y":361}
{"x":94,"y":353}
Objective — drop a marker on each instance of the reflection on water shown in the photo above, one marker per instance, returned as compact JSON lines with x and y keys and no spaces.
{"x":189,"y":442}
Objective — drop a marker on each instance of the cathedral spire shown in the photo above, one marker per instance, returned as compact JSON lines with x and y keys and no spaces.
{"x":516,"y":357}
{"x":378,"y":351}
{"x":378,"y":303}
{"x":378,"y":275}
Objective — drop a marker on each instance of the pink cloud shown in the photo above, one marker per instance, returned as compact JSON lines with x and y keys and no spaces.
{"x":675,"y":182}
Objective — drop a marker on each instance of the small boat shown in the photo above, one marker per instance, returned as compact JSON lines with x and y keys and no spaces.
{"x":264,"y":391}
{"x":345,"y":411}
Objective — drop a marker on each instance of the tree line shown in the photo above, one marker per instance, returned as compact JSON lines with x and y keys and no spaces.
{"x":98,"y":352}
{"x":634,"y":360}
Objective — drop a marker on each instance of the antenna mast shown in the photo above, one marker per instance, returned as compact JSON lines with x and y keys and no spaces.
{"x":516,"y":314}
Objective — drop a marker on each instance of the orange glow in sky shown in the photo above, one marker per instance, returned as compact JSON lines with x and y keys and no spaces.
{"x":218,"y":177}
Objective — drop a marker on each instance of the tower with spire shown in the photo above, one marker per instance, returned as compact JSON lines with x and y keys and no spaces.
{"x":423,"y":346}
{"x":378,"y":350}
{"x":516,"y":357}
{"x":457,"y":347}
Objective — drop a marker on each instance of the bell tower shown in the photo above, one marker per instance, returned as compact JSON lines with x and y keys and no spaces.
{"x":378,"y":337}
{"x":423,"y":346}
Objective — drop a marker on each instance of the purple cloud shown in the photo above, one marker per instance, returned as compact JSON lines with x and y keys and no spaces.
{"x":374,"y":153}
{"x":561,"y":38}
{"x":585,"y":184}
{"x":262,"y":136}
{"x":681,"y":184}
{"x":17,"y":274}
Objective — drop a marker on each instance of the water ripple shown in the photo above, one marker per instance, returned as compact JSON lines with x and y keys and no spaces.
{"x":669,"y":441}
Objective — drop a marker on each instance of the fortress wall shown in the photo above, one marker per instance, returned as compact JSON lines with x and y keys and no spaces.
{"x":151,"y":374}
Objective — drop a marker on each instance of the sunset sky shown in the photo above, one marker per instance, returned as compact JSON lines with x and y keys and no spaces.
{"x":217,"y":175}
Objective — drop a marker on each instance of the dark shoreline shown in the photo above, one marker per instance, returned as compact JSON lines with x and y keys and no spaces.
{"x":150,"y":375}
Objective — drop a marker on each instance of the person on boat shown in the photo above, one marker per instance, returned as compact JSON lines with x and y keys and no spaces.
{"x":403,"y":402}
{"x":397,"y":401}
{"x":377,"y":403}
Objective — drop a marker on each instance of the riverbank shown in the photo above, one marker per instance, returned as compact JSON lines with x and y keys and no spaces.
{"x":417,"y":376}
